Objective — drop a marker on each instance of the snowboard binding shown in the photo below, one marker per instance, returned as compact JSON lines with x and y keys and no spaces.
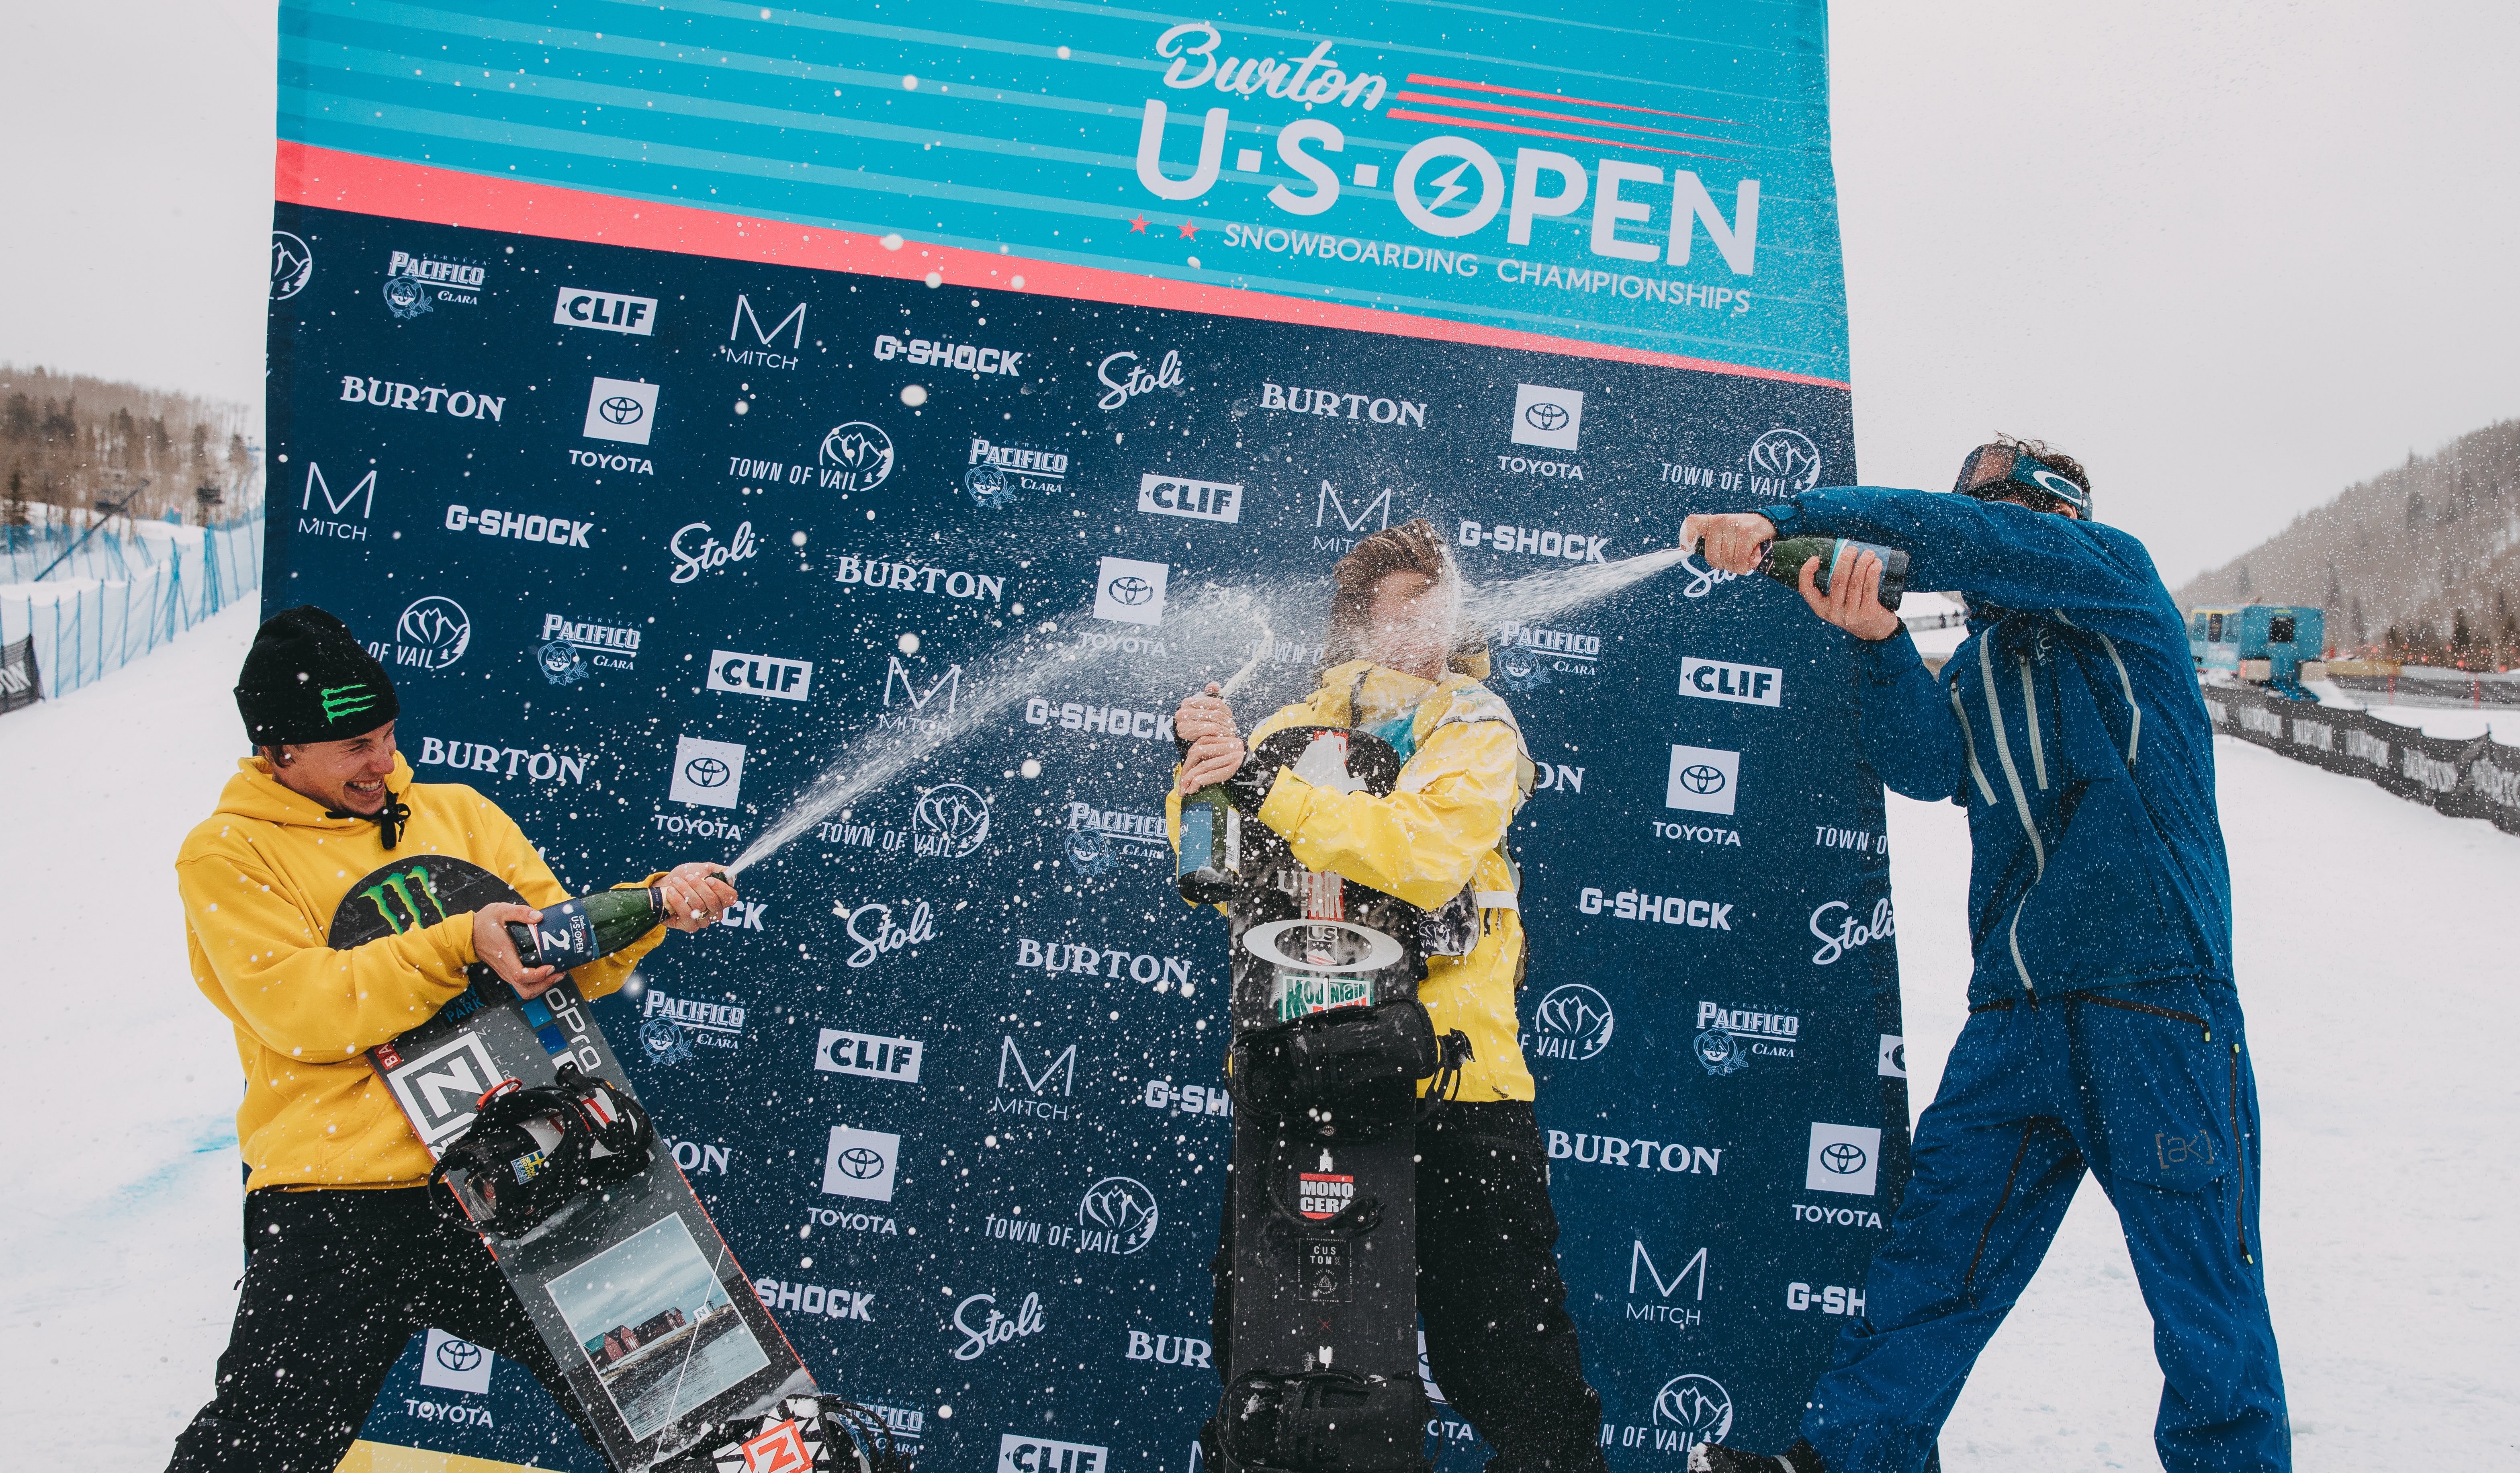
{"x":808,"y":1434}
{"x":530,"y":1152}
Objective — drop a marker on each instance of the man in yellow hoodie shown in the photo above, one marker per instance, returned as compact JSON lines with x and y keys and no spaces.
{"x":345,"y":1257}
{"x":1498,"y":1340}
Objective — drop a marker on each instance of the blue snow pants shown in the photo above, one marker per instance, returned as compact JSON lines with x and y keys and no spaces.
{"x":2149,"y":1087}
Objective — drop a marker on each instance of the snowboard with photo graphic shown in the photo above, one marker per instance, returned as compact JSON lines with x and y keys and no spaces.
{"x":662,"y":1336}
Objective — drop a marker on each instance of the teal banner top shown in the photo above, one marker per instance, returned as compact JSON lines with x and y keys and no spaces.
{"x":1655,"y":184}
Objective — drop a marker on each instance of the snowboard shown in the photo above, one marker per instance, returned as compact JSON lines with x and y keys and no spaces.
{"x":672,"y":1355}
{"x":1321,"y":1345}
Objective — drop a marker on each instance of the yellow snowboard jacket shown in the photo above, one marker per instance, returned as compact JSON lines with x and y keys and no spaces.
{"x":261,"y":879}
{"x":1443,"y":827}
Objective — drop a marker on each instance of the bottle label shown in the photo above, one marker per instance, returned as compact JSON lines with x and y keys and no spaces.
{"x":564,"y":938}
{"x":1197,"y":837}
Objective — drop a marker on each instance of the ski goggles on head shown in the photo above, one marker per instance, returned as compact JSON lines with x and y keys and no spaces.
{"x":1991,"y":469}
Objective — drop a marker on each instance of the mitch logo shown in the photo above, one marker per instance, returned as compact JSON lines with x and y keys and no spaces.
{"x":1719,"y":680}
{"x":579,"y":307}
{"x":1642,"y":1270}
{"x":791,"y":326}
{"x":362,"y":493}
{"x":871,"y":1056}
{"x":760,"y":675}
{"x":1180,"y":496}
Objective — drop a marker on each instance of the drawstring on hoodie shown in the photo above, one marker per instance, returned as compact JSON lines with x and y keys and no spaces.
{"x":390,"y":819}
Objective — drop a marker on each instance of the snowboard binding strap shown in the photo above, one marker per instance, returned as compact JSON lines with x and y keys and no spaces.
{"x":530,"y":1152}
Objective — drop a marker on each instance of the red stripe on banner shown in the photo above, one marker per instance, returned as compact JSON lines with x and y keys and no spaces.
{"x":1475,"y":105}
{"x":1420,"y":79}
{"x":330,"y":179}
{"x":1508,"y":127}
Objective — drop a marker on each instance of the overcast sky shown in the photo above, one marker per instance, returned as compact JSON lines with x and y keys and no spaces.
{"x":2233,"y":256}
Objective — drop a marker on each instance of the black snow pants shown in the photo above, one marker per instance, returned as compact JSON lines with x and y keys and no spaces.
{"x":335,"y":1284}
{"x":1498,"y":1340}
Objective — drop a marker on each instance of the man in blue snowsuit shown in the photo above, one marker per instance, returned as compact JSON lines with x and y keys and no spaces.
{"x":2104,"y":1030}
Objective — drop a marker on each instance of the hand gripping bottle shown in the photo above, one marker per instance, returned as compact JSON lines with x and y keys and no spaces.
{"x":1785,"y":562}
{"x":576,"y":932}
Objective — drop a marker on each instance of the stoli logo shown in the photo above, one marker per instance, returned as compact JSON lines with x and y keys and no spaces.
{"x":1851,"y":932}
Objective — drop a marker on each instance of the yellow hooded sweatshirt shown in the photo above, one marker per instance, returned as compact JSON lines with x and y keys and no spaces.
{"x":261,"y":879}
{"x":1465,"y":773}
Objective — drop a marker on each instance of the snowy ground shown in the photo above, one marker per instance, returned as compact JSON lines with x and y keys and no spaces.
{"x":2373,"y":955}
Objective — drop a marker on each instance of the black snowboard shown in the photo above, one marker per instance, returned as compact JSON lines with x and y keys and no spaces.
{"x":1321,"y":1349}
{"x":682,"y":1354}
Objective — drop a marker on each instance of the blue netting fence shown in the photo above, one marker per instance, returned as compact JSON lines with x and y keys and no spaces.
{"x":95,"y":594}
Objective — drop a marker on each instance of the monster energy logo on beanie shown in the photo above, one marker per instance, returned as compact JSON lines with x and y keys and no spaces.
{"x":308,"y":679}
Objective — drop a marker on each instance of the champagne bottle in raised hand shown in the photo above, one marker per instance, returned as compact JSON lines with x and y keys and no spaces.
{"x":576,"y":932}
{"x":1785,"y":560}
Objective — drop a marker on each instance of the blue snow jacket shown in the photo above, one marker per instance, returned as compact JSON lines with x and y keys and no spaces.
{"x":2070,"y":726}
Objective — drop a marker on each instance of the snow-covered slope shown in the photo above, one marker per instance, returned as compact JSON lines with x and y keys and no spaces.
{"x":2381,"y":1034}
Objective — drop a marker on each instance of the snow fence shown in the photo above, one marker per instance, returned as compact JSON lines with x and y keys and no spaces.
{"x":80,"y":602}
{"x":2469,"y":777}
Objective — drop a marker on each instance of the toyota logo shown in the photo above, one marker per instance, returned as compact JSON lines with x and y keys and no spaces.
{"x":439,"y":628}
{"x":860,"y":1163}
{"x":1129,"y":590}
{"x":1546,"y":416}
{"x":1122,"y":1205}
{"x":1701,"y":779}
{"x":1698,"y":1406}
{"x":458,"y":1354}
{"x":705,"y":773}
{"x":1844,"y":1157}
{"x":621,"y":409}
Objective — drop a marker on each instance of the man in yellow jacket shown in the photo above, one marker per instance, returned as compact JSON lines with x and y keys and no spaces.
{"x":1498,"y":1340}
{"x":345,"y":1257}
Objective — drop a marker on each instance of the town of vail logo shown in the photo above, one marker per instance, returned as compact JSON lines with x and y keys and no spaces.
{"x":1574,"y":1022}
{"x":859,"y":454}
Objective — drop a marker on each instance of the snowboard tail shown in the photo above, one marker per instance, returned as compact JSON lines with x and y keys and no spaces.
{"x":659,"y":1333}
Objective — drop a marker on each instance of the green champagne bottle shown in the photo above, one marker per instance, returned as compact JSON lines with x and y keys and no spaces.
{"x":1785,"y":562}
{"x":1211,"y":845}
{"x":576,"y":932}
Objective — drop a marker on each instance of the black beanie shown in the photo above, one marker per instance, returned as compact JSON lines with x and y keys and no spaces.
{"x":308,"y":679}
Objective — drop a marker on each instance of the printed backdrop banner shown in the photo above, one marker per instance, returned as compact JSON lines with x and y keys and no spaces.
{"x":679,"y":398}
